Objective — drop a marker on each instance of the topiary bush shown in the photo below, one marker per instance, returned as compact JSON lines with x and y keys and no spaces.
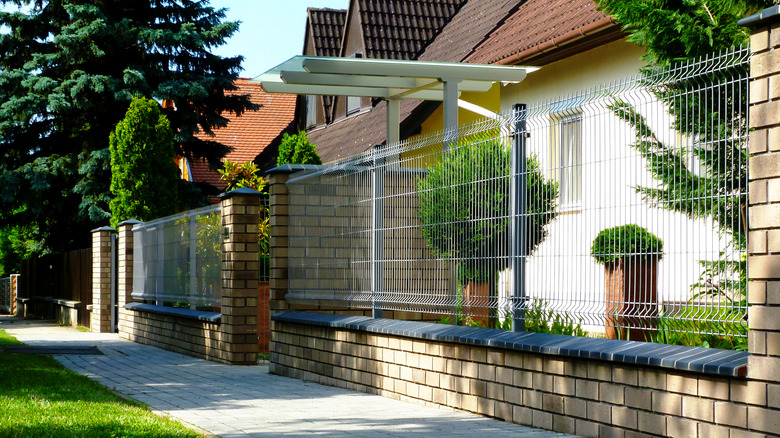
{"x":626,"y":242}
{"x":144,"y":177}
{"x":297,"y":149}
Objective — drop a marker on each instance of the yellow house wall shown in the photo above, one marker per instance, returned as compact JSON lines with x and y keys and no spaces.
{"x":604,"y":64}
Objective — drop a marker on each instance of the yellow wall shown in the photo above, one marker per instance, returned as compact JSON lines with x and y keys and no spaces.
{"x":604,"y":64}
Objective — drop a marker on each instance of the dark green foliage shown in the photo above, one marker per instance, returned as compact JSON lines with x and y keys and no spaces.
{"x":673,"y":29}
{"x":68,"y":72}
{"x":464,"y":205}
{"x":626,"y":242}
{"x":296,"y":149}
{"x":144,"y":178}
{"x":540,"y":319}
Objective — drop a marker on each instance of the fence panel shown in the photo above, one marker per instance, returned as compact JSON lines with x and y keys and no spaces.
{"x":617,"y":211}
{"x":178,"y":259}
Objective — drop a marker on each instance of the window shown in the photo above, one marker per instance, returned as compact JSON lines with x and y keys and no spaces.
{"x":571,"y":160}
{"x":354,"y":102}
{"x":311,"y":111}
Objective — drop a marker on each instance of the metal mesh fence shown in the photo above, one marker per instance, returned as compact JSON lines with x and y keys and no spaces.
{"x":620,"y":211}
{"x":5,"y":295}
{"x":178,"y":259}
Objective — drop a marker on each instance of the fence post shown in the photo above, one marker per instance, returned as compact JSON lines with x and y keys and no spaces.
{"x":764,"y":198}
{"x":240,"y":275}
{"x":124,"y":262}
{"x":102,"y":272}
{"x":377,"y":231}
{"x":519,"y":229}
{"x":14,"y":292}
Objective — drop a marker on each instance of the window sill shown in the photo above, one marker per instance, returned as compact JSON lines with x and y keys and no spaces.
{"x":694,"y":359}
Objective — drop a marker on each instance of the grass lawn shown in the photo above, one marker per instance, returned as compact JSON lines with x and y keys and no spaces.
{"x":40,"y":398}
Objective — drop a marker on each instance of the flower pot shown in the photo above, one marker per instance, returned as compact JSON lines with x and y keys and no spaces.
{"x":631,"y":299}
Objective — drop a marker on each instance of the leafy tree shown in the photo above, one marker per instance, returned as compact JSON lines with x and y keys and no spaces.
{"x":296,"y":149}
{"x":68,"y":72}
{"x":464,"y":207}
{"x":144,"y":178}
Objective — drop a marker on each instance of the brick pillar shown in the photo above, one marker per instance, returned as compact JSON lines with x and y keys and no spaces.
{"x":240,"y":275}
{"x":101,"y":279}
{"x":14,"y":292}
{"x":279,"y":221}
{"x":764,"y":213}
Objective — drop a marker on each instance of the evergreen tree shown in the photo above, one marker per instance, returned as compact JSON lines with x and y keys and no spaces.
{"x":297,"y":149}
{"x":144,"y":178}
{"x":68,"y":71}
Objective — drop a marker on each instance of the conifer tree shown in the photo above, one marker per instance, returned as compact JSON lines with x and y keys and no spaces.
{"x":143,"y":175}
{"x":68,"y":71}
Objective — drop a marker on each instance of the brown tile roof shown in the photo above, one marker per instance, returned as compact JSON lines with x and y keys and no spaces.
{"x":400,"y":29}
{"x":467,"y":29}
{"x":250,"y":133}
{"x":327,"y":28}
{"x":538,"y":26}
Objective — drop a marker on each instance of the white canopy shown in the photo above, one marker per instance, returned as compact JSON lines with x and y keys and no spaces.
{"x":391,"y":80}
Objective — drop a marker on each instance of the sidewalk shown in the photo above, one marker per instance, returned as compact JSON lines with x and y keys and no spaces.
{"x":234,"y":401}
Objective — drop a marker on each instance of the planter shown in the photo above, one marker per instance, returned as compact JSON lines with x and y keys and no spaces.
{"x":631,"y":298}
{"x":476,"y":302}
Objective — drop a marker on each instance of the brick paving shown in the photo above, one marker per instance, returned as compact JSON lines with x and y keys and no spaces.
{"x":238,"y":401}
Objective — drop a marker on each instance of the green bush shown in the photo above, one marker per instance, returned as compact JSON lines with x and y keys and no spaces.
{"x":626,"y":242}
{"x":297,"y":149}
{"x":144,"y":178}
{"x":464,"y":205}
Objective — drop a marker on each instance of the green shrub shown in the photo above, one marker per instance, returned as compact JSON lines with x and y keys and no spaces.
{"x":464,"y":205}
{"x":297,"y":149}
{"x":144,"y":178}
{"x":626,"y":242}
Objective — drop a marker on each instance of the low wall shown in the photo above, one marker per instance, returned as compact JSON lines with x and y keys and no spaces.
{"x":184,"y":335}
{"x":583,"y":386}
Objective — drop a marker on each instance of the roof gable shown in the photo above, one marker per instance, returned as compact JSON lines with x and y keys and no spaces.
{"x":325,"y":29}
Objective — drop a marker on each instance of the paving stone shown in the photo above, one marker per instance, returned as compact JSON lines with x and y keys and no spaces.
{"x":242,"y":401}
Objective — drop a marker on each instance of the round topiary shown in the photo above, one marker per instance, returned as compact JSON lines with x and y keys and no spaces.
{"x":626,"y":242}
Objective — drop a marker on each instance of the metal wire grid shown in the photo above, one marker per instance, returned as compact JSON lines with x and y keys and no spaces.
{"x":178,"y":259}
{"x":5,"y":295}
{"x":441,"y":207}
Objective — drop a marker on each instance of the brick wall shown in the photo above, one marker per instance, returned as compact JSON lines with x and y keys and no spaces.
{"x":581,"y":396}
{"x":102,"y":239}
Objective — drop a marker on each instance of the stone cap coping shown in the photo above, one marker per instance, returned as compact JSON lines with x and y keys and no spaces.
{"x":243,"y":191}
{"x":129,"y":222}
{"x":292,"y":168}
{"x":104,"y":229}
{"x":696,"y":359}
{"x":200,"y":315}
{"x":768,"y":15}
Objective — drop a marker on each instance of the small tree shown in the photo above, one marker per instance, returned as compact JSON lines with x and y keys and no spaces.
{"x":297,"y":149}
{"x":144,"y":176}
{"x":464,"y":207}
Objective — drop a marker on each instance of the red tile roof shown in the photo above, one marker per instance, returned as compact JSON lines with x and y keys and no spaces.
{"x":327,"y":28}
{"x":538,"y":26}
{"x":400,"y":29}
{"x":250,"y":133}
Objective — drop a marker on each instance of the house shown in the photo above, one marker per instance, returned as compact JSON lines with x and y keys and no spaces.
{"x":248,"y":135}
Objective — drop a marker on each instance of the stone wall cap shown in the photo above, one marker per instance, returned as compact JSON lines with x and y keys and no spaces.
{"x":695,"y":359}
{"x":292,"y":168}
{"x":129,"y":222}
{"x":768,"y":15}
{"x":243,"y":191}
{"x":113,"y":230}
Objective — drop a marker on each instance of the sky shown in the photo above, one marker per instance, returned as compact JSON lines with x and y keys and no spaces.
{"x":271,"y":31}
